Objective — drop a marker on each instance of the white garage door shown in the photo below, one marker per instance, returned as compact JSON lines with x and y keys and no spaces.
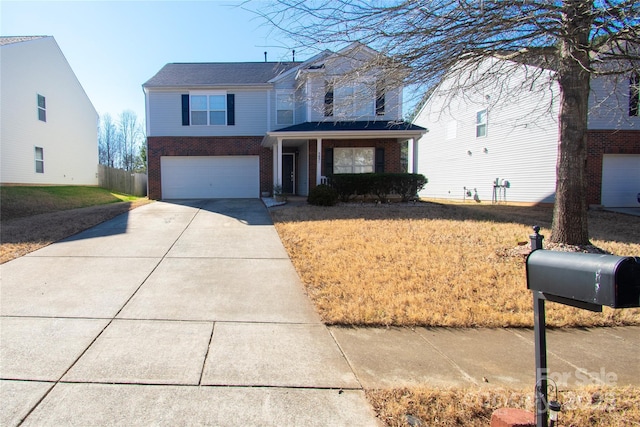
{"x":620,"y":180}
{"x":193,"y":177}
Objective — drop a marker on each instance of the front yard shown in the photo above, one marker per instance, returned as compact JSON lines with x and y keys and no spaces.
{"x":448,"y":265}
{"x":435,"y":264}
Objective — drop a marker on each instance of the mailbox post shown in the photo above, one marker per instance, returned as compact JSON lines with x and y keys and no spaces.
{"x":586,"y":281}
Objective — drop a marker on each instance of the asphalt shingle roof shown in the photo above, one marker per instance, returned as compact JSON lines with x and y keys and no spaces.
{"x":378,"y":125}
{"x":218,"y":73}
{"x":4,"y":40}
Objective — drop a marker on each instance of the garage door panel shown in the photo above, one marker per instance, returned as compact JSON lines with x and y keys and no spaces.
{"x":620,"y":180}
{"x":193,"y":177}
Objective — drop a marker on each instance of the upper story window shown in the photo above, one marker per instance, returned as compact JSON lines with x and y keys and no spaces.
{"x":284,"y":107}
{"x":355,"y":100}
{"x":42,"y":108}
{"x":209,"y":110}
{"x":634,"y":95}
{"x":481,"y":123}
{"x":39,"y":154}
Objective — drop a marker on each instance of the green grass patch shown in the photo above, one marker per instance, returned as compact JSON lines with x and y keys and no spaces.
{"x":19,"y":202}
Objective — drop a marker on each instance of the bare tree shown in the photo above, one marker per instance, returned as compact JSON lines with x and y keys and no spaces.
{"x":130,"y":133}
{"x":430,"y":39}
{"x":108,"y":143}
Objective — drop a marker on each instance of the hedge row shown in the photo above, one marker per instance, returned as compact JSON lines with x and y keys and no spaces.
{"x":381,"y":185}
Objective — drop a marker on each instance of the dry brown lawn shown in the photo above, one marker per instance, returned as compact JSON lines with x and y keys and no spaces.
{"x":434,"y":264}
{"x":588,"y":406}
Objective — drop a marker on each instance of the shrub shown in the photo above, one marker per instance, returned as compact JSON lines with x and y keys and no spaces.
{"x":323,"y":195}
{"x":406,"y":185}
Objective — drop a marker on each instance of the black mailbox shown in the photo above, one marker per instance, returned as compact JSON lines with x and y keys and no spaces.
{"x":595,"y":279}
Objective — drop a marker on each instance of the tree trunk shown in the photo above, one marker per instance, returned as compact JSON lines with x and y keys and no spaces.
{"x":570,"y":211}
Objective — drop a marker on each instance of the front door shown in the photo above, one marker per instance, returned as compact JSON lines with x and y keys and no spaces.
{"x":288,"y":173}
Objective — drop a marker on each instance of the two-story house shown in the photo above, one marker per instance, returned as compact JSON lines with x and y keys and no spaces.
{"x":240,"y":129}
{"x":497,"y":139}
{"x":48,"y":125}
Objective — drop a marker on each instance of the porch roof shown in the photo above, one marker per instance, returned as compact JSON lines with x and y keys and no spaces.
{"x":348,"y":129}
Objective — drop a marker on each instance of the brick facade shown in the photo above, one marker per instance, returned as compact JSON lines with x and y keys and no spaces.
{"x":599,"y":143}
{"x":250,"y":146}
{"x":159,"y":146}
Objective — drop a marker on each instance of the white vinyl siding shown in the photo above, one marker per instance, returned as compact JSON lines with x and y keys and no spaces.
{"x":609,"y":104}
{"x":165,"y":115}
{"x":69,"y":138}
{"x":521,"y":146}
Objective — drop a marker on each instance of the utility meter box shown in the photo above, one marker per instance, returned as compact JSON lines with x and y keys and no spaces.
{"x":596,"y":279}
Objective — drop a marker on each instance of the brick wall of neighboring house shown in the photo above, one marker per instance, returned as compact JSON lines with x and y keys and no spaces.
{"x":159,"y":146}
{"x":599,"y":143}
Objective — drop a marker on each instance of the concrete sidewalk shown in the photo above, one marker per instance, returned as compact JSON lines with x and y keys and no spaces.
{"x":192,"y":314}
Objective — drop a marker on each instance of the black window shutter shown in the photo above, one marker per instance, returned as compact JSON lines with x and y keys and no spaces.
{"x":380,"y":98}
{"x":185,"y":110}
{"x":231,"y":109}
{"x":328,"y":99}
{"x":379,"y":160}
{"x":328,"y":161}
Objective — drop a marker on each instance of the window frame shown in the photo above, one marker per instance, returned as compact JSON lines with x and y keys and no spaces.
{"x":209,"y":109}
{"x":484,"y":125}
{"x":42,"y":109}
{"x":336,"y":156}
{"x":39,"y":161}
{"x":291,"y":95}
{"x":360,"y":102}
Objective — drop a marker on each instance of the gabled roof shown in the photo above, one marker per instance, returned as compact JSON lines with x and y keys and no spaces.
{"x":5,"y":40}
{"x":218,"y":74}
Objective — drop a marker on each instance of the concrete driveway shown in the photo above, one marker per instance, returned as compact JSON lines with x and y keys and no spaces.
{"x":186,"y":313}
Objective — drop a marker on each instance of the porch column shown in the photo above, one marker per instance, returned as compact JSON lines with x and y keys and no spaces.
{"x":415,"y":144}
{"x":278,"y":179}
{"x":412,"y":155}
{"x":318,"y":161}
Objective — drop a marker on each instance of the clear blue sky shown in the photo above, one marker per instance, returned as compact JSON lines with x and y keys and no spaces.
{"x":115,"y":46}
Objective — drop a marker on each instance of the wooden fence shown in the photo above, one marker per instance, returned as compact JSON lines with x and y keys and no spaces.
{"x":122,"y":181}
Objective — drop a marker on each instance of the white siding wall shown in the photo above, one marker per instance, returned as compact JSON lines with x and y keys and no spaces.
{"x":520,"y":145}
{"x":69,"y":137}
{"x":165,"y":114}
{"x":609,"y":104}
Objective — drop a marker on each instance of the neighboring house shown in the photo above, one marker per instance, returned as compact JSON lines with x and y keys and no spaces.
{"x":240,"y":129}
{"x":48,"y":126}
{"x":498,"y":141}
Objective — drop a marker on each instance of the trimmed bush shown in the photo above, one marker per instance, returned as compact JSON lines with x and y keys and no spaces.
{"x":381,"y":185}
{"x":323,"y":195}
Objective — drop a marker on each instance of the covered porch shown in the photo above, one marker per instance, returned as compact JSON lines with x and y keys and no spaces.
{"x":303,"y":154}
